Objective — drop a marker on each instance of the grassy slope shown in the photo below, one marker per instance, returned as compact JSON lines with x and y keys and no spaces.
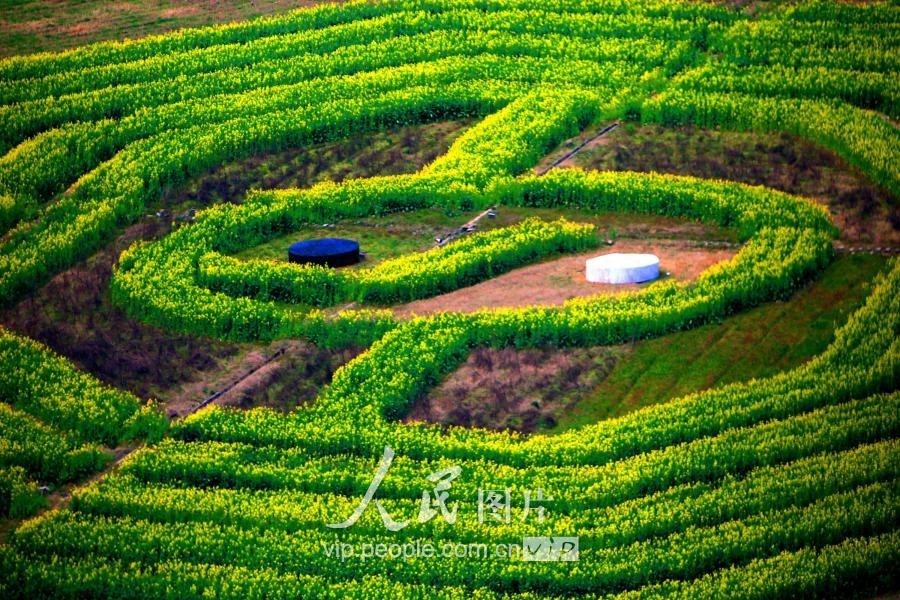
{"x":46,"y":25}
{"x":753,"y":344}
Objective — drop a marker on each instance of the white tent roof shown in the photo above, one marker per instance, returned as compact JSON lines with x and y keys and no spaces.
{"x":622,"y":268}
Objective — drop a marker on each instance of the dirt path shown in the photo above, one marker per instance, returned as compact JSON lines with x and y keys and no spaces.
{"x":553,"y":282}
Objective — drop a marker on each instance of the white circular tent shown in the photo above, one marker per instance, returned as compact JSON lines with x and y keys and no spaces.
{"x":622,"y":268}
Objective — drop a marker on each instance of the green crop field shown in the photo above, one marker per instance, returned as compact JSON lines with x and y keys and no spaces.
{"x":730,"y":430}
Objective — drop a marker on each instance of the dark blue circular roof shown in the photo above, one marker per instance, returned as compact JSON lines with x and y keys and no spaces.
{"x":323,"y":247}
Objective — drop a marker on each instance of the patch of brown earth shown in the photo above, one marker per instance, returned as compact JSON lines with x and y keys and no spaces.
{"x":186,"y":398}
{"x":179,"y":11}
{"x":242,"y":395}
{"x":73,"y":315}
{"x":53,"y":25}
{"x":588,"y":137}
{"x":521,"y":390}
{"x":866,"y":214}
{"x":555,"y":281}
{"x":283,"y":376}
{"x":392,"y":152}
{"x":33,"y":26}
{"x":81,"y":29}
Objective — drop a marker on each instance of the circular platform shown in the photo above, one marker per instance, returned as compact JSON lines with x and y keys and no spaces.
{"x":622,"y":268}
{"x":329,"y":252}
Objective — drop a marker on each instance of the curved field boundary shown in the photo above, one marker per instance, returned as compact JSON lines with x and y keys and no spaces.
{"x":744,"y":483}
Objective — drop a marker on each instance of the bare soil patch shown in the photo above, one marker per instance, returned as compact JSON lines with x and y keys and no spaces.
{"x":586,"y":137}
{"x":865,"y":213}
{"x":392,"y":152}
{"x":73,"y":315}
{"x":553,"y":282}
{"x":180,"y":11}
{"x":52,"y":25}
{"x":82,"y":30}
{"x":520,"y":390}
{"x":292,"y":379}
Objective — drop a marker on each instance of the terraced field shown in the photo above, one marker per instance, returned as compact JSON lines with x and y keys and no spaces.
{"x":783,"y":486}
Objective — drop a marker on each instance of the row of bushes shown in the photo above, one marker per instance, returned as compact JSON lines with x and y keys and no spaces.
{"x":574,"y":58}
{"x":475,"y":258}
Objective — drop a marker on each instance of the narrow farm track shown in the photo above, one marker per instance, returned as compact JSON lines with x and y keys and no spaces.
{"x":783,"y":486}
